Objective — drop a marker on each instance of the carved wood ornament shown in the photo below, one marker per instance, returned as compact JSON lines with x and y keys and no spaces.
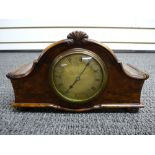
{"x":119,"y":86}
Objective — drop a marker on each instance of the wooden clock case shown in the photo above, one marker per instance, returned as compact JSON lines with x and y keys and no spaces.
{"x":32,"y":89}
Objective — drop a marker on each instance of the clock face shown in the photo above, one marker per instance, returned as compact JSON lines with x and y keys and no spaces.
{"x":78,"y":75}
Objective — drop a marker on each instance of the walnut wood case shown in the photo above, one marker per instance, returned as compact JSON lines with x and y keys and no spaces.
{"x":32,"y":89}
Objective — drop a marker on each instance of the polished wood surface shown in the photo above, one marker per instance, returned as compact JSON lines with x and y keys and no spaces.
{"x":32,"y":88}
{"x":95,"y":107}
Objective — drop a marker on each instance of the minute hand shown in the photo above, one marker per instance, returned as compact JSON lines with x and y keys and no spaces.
{"x":83,"y":70}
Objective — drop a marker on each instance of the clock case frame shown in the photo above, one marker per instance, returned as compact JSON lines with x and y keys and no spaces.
{"x":33,"y":90}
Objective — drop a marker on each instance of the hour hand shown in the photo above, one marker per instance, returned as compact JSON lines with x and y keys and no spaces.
{"x":71,"y":86}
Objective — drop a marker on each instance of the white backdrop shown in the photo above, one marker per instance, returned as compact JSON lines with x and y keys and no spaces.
{"x":120,"y":24}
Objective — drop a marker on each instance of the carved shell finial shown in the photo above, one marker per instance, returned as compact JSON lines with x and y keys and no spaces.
{"x":77,"y":35}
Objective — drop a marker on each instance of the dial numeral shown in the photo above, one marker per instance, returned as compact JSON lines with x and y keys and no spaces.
{"x":97,"y":79}
{"x":58,"y":76}
{"x":69,"y":59}
{"x":93,"y":88}
{"x":95,"y":70}
{"x":80,"y":59}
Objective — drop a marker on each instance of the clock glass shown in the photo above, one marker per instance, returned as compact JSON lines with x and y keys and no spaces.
{"x":78,"y":75}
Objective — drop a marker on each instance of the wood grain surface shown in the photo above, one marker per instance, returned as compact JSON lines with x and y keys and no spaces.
{"x":32,"y":88}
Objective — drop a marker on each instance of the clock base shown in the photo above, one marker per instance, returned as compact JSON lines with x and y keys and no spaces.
{"x":131,"y":107}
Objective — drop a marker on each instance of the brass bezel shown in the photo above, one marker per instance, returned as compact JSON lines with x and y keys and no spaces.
{"x":78,"y":51}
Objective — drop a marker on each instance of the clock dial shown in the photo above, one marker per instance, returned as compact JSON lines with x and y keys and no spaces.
{"x":78,"y":75}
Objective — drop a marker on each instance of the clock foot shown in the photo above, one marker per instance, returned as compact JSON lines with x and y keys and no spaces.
{"x":133,"y":110}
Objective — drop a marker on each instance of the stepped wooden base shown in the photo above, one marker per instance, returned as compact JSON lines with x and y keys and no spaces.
{"x":129,"y":106}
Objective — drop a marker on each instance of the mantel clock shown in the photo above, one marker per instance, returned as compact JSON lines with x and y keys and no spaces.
{"x":77,"y":74}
